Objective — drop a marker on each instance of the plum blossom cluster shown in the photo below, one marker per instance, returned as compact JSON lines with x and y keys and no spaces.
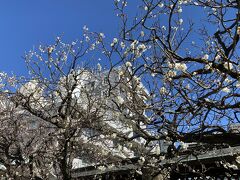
{"x":135,"y":48}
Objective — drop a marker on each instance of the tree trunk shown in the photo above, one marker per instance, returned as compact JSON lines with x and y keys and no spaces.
{"x":63,"y":162}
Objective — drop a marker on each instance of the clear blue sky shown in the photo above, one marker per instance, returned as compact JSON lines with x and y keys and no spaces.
{"x":25,"y":23}
{"x":28,"y":23}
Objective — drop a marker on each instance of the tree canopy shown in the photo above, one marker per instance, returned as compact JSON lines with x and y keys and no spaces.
{"x":166,"y":78}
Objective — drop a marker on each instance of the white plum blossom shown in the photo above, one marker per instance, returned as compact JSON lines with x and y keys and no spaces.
{"x":214,"y":9}
{"x":228,"y":65}
{"x":217,"y":58}
{"x":175,"y":28}
{"x":141,"y":160}
{"x":102,"y":35}
{"x":163,"y":90}
{"x":114,"y":135}
{"x":124,"y":3}
{"x":170,"y":64}
{"x":93,"y":46}
{"x":50,"y":49}
{"x":74,"y":43}
{"x":238,"y":84}
{"x":133,"y":44}
{"x":128,"y":64}
{"x":122,"y":45}
{"x":226,"y":90}
{"x":140,"y":49}
{"x":85,"y":28}
{"x":121,"y":73}
{"x":58,"y":38}
{"x":120,"y":100}
{"x":238,"y":30}
{"x":179,"y":10}
{"x":153,"y":74}
{"x":99,"y":67}
{"x":208,"y":66}
{"x":160,"y":5}
{"x":187,"y":1}
{"x":206,"y":56}
{"x":227,"y":80}
{"x":183,"y":145}
{"x":137,"y":79}
{"x":115,"y":41}
{"x":102,"y":168}
{"x":180,"y":21}
{"x":171,"y":73}
{"x":181,"y":66}
{"x":87,"y":38}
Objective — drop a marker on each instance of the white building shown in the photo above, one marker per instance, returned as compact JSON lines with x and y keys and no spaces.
{"x":121,"y":84}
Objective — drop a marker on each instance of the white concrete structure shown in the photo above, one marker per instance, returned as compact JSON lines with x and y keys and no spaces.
{"x":99,"y":85}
